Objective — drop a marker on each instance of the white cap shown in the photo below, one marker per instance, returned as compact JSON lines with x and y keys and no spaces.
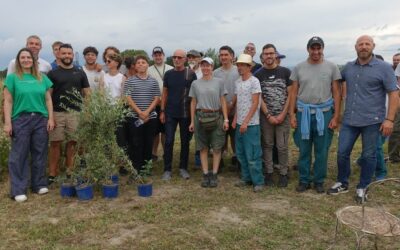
{"x":208,"y":60}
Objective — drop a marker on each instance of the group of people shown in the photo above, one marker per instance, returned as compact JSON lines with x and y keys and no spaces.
{"x":253,"y":105}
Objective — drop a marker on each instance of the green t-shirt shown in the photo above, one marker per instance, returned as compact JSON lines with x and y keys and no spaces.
{"x":29,"y":94}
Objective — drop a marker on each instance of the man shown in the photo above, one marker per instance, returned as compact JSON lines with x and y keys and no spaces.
{"x":316,"y":94}
{"x":396,"y":60}
{"x":66,"y":79}
{"x":365,"y":77}
{"x":276,"y":87}
{"x":229,"y":74}
{"x":33,"y":43}
{"x":194,"y":58}
{"x":246,"y":122}
{"x":157,"y":71}
{"x":95,"y":77}
{"x":56,"y":48}
{"x":175,"y":109}
{"x":250,"y":49}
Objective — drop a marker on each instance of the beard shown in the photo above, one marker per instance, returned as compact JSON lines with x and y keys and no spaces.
{"x":364,"y":54}
{"x":66,"y":61}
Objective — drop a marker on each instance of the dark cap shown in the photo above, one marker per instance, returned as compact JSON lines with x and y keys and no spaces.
{"x":279,"y":55}
{"x":315,"y":40}
{"x":158,"y":49}
{"x":194,"y":53}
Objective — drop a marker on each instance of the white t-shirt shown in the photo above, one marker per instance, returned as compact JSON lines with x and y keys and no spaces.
{"x":157,"y":72}
{"x":244,"y":91}
{"x":44,"y":66}
{"x":397,"y":71}
{"x":113,"y":84}
{"x":94,"y":77}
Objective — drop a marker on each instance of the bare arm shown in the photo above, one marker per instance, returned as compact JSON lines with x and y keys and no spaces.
{"x":164,"y":98}
{"x":8,"y":104}
{"x":49,"y":106}
{"x":292,"y":103}
{"x":193,"y":104}
{"x":224,"y":112}
{"x":337,"y":100}
{"x":387,"y":125}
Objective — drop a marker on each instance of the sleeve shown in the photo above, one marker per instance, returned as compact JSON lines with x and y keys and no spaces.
{"x":397,"y":72}
{"x":127,"y":89}
{"x":294,"y":75}
{"x":389,"y":81}
{"x":166,"y":81}
{"x":155,"y":88}
{"x":10,"y":83}
{"x":289,"y":82}
{"x":85,"y":81}
{"x":47,"y":81}
{"x":11,"y":67}
{"x":192,"y":91}
{"x":222,"y":89}
{"x":343,"y":73}
{"x":336,"y":73}
{"x":255,"y":86}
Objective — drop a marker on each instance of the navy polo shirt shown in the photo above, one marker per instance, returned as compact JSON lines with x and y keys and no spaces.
{"x":367,"y":86}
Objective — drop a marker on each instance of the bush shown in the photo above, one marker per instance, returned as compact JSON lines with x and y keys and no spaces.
{"x":5,"y":143}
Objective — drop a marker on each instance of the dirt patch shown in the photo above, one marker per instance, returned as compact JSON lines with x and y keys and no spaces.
{"x":224,"y":215}
{"x":125,"y":234}
{"x":279,"y":206}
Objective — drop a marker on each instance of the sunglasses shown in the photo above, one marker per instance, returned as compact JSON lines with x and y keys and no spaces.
{"x":108,"y":61}
{"x":178,"y":57}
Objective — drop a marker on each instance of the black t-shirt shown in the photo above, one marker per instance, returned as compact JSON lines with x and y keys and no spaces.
{"x":178,"y":84}
{"x":274,"y":83}
{"x":65,"y":81}
{"x":256,"y":67}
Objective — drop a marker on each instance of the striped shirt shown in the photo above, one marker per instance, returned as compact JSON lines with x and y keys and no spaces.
{"x":142,"y":92}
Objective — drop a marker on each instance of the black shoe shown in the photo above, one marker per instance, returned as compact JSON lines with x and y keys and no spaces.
{"x":51,"y":180}
{"x":213,"y":180}
{"x":338,"y":188}
{"x":319,"y":187}
{"x":283,"y":181}
{"x":268,"y":180}
{"x":206,"y":180}
{"x":302,"y":187}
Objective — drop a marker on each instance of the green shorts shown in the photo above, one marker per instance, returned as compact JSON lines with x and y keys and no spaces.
{"x":214,"y":138}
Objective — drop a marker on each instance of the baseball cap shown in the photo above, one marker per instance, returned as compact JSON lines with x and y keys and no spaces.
{"x":208,"y":60}
{"x":315,"y":40}
{"x":279,"y":55}
{"x":194,"y":53}
{"x":158,"y":49}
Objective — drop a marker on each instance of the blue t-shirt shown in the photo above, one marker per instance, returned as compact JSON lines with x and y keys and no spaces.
{"x":178,"y":84}
{"x":367,"y":86}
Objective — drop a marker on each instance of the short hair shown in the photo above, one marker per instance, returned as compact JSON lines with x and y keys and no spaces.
{"x":143,"y":57}
{"x":109,"y":48}
{"x":229,"y":49}
{"x":129,"y":61}
{"x":33,"y":37}
{"x":269,"y":45}
{"x":90,"y":49}
{"x":397,"y":54}
{"x":117,"y":58}
{"x":66,"y":46}
{"x":56,"y":43}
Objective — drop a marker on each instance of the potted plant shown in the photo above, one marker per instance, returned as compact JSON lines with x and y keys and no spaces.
{"x":67,"y":187}
{"x":145,"y":186}
{"x":96,"y":141}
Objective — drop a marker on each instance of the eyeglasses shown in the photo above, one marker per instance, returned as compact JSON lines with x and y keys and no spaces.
{"x":108,"y":61}
{"x":250,"y":48}
{"x":178,"y":57}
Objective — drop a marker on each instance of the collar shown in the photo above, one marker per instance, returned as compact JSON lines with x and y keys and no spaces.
{"x":373,"y":61}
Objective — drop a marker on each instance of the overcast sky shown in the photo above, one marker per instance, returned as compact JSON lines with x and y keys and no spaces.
{"x":143,"y":24}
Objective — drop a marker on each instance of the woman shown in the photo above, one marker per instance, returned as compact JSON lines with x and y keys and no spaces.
{"x":28,"y":113}
{"x":143,"y":95}
{"x":209,"y":126}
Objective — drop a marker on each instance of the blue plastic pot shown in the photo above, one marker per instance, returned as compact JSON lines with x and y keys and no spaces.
{"x":110,"y":190}
{"x":145,"y":190}
{"x":115,"y":179}
{"x":67,"y":190}
{"x":84,"y":192}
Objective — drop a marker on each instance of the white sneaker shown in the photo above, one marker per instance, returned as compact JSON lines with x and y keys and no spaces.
{"x":20,"y":198}
{"x":361,"y":196}
{"x":43,"y":190}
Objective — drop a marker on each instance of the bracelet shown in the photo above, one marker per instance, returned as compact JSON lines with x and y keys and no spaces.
{"x":387,"y":119}
{"x":161,"y":110}
{"x":226,"y":120}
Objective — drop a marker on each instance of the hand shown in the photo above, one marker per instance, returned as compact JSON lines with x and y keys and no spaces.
{"x":143,"y":115}
{"x":333,"y":124}
{"x":8,"y":129}
{"x":162,"y":117}
{"x":243,"y":128}
{"x":50,"y":124}
{"x":293,"y":121}
{"x":273,"y":120}
{"x":226,"y":126}
{"x":280,"y":118}
{"x":386,"y":128}
{"x":191,"y":127}
{"x":99,"y":68}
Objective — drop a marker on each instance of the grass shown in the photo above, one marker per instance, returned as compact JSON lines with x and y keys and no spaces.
{"x":182,"y":215}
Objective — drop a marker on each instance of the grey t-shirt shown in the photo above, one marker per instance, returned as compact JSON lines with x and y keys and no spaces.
{"x":315,"y":81}
{"x":228,"y":77}
{"x":208,"y":93}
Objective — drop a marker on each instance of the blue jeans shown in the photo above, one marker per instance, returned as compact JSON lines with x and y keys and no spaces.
{"x":248,"y":153}
{"x":347,"y":137}
{"x":321,"y":146}
{"x":185,"y":135}
{"x":30,"y":137}
{"x":380,"y":170}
